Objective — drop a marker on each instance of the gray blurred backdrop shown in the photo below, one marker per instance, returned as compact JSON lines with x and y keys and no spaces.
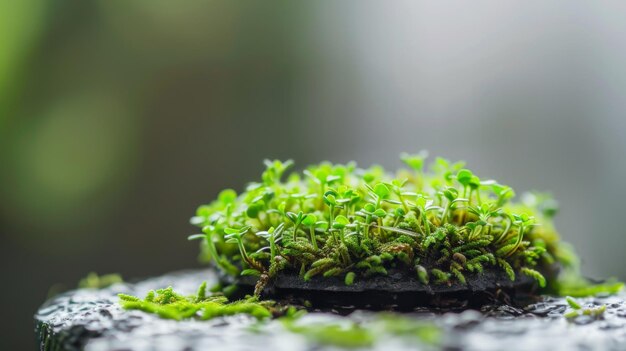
{"x":117,"y":118}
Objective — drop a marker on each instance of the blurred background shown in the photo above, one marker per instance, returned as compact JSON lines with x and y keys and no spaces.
{"x":117,"y":118}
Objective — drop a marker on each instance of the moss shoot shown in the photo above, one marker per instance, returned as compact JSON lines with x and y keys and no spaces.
{"x":442,"y":223}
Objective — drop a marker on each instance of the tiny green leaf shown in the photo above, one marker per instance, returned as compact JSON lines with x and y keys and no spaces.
{"x":252,"y":272}
{"x":227,"y":196}
{"x":323,"y":225}
{"x":381,"y":191}
{"x":231,"y":231}
{"x":330,"y":197}
{"x":464,"y":176}
{"x":309,"y":220}
{"x":340,"y":222}
{"x":451,"y":193}
{"x":416,"y":162}
{"x":369,"y":207}
{"x":380,"y":213}
{"x":253,"y":210}
{"x":474,"y":182}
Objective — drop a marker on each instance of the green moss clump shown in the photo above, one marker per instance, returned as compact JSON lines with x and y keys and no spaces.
{"x":166,"y":303}
{"x":340,"y":220}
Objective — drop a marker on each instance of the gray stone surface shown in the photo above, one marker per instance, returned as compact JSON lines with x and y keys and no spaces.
{"x":91,"y":320}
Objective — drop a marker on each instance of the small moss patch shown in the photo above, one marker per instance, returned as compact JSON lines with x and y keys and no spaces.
{"x":442,"y":223}
{"x":166,"y":303}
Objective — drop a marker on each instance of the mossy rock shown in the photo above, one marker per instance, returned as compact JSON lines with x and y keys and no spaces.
{"x":93,"y":320}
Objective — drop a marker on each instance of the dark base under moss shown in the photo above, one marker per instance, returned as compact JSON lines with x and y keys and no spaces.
{"x":398,"y":290}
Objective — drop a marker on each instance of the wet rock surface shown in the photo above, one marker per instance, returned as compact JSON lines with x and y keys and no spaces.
{"x":92,"y":320}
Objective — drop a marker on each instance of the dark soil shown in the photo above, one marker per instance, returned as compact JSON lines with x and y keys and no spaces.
{"x":398,"y":290}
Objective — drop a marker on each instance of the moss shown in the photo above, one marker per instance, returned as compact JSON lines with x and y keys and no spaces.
{"x":169,"y":304}
{"x":442,"y":222}
{"x":332,"y":219}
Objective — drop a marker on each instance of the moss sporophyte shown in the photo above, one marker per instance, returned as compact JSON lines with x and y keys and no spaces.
{"x":440,"y":224}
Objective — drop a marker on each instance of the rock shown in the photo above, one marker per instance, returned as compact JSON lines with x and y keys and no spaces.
{"x":92,"y":320}
{"x":545,"y":309}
